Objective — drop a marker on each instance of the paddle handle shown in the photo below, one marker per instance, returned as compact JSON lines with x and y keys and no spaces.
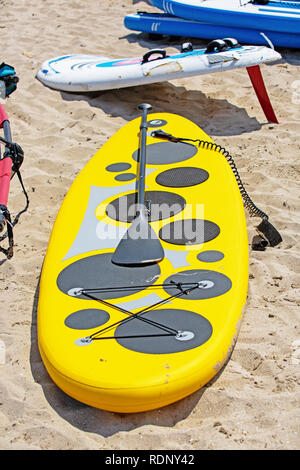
{"x":142,"y":161}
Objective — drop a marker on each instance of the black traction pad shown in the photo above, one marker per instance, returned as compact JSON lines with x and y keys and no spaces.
{"x":182,"y":177}
{"x":189,"y":232}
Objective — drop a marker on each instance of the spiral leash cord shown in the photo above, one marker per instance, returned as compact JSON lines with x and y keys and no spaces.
{"x":268,"y":234}
{"x":251,"y":207}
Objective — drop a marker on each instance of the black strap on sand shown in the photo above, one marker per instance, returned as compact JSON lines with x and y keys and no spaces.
{"x":265,"y":229}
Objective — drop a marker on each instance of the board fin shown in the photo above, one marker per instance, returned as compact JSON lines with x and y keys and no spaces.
{"x":261,"y":92}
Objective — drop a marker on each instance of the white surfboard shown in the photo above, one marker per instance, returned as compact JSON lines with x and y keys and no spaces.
{"x":86,"y":73}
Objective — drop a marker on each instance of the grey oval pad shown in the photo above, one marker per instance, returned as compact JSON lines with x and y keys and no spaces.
{"x":98,"y":272}
{"x":210,"y":256}
{"x":87,"y":319}
{"x":183,"y":320}
{"x":163,"y":205}
{"x":182,"y":177}
{"x":116,"y":167}
{"x":221,"y":283}
{"x":125,"y":177}
{"x":189,"y":232}
{"x":164,"y":153}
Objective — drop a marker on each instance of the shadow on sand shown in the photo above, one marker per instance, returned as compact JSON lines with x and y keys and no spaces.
{"x":214,"y":116}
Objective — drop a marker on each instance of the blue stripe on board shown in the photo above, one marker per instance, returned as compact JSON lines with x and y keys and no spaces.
{"x":177,"y":56}
{"x":57,"y":60}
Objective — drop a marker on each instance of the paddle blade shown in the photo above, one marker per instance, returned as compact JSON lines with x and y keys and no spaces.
{"x":139,"y":245}
{"x":261,"y":92}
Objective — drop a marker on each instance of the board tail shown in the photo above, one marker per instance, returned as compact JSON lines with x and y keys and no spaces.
{"x":261,"y":92}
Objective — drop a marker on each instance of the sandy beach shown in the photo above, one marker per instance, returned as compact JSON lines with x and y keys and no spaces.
{"x":254,"y":403}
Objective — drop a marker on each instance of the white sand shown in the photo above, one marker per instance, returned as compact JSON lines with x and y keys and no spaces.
{"x":254,"y":403}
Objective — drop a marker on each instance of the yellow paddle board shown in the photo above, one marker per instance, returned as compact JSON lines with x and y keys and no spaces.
{"x":135,"y":338}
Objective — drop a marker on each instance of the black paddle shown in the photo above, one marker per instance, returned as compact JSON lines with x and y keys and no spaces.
{"x":140,"y":244}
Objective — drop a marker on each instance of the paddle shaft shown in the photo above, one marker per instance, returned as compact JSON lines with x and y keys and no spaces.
{"x":142,"y":160}
{"x":140,"y":244}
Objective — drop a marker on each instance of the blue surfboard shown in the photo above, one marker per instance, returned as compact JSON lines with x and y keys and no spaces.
{"x":280,"y":16}
{"x":166,"y":24}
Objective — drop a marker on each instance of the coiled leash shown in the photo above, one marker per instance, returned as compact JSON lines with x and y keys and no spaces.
{"x":267,"y":233}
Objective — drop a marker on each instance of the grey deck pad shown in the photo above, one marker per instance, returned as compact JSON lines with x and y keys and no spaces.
{"x":163,"y":204}
{"x":213,"y":283}
{"x":120,"y":166}
{"x":189,"y":232}
{"x":164,"y":153}
{"x":98,"y":272}
{"x":86,"y":319}
{"x":178,"y":319}
{"x":125,"y":177}
{"x":210,"y":256}
{"x":182,"y":177}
